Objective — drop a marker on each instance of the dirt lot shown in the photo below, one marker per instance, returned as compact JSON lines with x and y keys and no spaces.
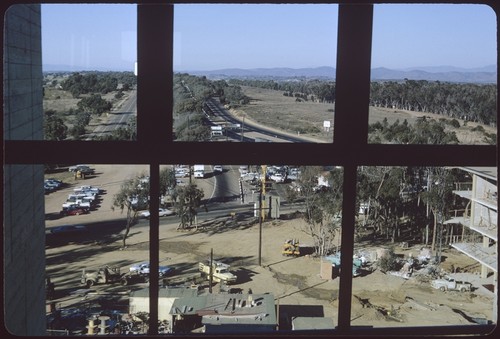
{"x":379,"y":299}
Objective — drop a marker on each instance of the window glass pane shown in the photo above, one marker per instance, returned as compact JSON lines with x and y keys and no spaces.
{"x":426,"y":244}
{"x":254,"y":73}
{"x":88,"y":63}
{"x":434,"y":73}
{"x":272,"y":245}
{"x":89,"y":272}
{"x":271,"y":242}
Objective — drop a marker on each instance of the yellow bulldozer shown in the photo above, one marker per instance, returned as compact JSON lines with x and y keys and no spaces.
{"x":291,"y":248}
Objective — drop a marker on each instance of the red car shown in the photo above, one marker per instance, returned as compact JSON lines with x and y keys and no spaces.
{"x":74,"y":210}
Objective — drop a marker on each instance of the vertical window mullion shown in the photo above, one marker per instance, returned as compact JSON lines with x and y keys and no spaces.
{"x":352,"y":87}
{"x":351,"y":127}
{"x":154,"y":116}
{"x":154,"y":244}
{"x":155,"y":74}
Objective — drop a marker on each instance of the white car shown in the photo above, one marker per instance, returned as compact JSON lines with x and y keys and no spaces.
{"x":143,"y":268}
{"x":218,"y":168}
{"x":163,"y":212}
{"x":278,"y":177}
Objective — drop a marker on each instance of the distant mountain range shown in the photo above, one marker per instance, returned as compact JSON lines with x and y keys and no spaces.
{"x":487,"y":74}
{"x":442,"y":73}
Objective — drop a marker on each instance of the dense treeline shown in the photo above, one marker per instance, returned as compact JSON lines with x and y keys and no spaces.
{"x":314,"y":90}
{"x":425,"y":131}
{"x":97,"y":82}
{"x":470,"y":102}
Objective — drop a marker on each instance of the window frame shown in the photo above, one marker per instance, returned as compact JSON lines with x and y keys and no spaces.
{"x":350,"y":148}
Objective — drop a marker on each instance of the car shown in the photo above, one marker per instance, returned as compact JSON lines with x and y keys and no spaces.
{"x":74,"y":210}
{"x":75,"y":168}
{"x":84,"y":169}
{"x":49,"y":188}
{"x":69,"y":229}
{"x":163,"y":212}
{"x":53,"y":183}
{"x":218,"y":169}
{"x":278,"y":177}
{"x":143,"y":268}
{"x":181,"y":173}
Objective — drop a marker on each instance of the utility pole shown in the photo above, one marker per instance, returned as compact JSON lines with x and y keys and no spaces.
{"x":210,"y":271}
{"x":261,"y":209}
{"x":263,"y":189}
{"x":260,"y":228}
{"x":242,"y":128}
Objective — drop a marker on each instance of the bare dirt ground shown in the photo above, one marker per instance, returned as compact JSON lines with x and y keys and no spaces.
{"x":379,"y":300}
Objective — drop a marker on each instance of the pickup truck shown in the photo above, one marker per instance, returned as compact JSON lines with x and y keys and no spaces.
{"x":220,"y":272}
{"x":448,"y":283}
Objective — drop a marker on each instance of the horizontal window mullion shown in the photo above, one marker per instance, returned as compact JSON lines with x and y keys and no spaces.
{"x":28,"y":152}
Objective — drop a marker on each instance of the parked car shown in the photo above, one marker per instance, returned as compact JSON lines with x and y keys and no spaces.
{"x":87,"y":190}
{"x":181,"y":172}
{"x":278,"y":177}
{"x":218,"y":169}
{"x":84,"y":169}
{"x":66,"y":233}
{"x":163,"y":212}
{"x":75,"y":168}
{"x":53,"y":182}
{"x":143,"y":268}
{"x":69,"y":229}
{"x":448,"y":283}
{"x":74,"y":210}
{"x":49,"y":188}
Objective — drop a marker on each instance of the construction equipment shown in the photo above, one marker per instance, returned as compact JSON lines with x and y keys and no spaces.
{"x":291,"y":247}
{"x":109,"y":275}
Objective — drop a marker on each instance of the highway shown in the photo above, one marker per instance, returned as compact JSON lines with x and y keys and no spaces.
{"x":238,"y":130}
{"x":117,"y":118}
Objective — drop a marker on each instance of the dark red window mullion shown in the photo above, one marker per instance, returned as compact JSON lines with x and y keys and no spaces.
{"x":154,"y":117}
{"x":351,"y":127}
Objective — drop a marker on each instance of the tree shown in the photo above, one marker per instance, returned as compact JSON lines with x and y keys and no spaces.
{"x":54,"y":127}
{"x":380,"y":188}
{"x":323,"y":206}
{"x":94,"y":104}
{"x":168,"y":183}
{"x":188,"y":199}
{"x":439,"y":197}
{"x":192,"y":128}
{"x":132,"y":194}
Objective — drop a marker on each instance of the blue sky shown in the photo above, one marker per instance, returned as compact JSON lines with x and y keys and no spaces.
{"x":211,"y":37}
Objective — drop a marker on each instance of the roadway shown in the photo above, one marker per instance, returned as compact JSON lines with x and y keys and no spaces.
{"x":118,"y":118}
{"x":239,"y":130}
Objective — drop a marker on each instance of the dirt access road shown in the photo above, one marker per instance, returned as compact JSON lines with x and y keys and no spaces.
{"x":379,"y":300}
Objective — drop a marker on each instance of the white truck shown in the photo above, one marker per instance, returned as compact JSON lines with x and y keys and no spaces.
{"x":199,"y":171}
{"x":220,"y":272}
{"x":448,"y":283}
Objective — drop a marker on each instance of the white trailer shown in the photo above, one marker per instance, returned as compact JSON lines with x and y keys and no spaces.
{"x":199,"y":171}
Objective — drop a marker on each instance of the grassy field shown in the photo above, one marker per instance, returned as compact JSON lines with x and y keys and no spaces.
{"x":272,"y":108}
